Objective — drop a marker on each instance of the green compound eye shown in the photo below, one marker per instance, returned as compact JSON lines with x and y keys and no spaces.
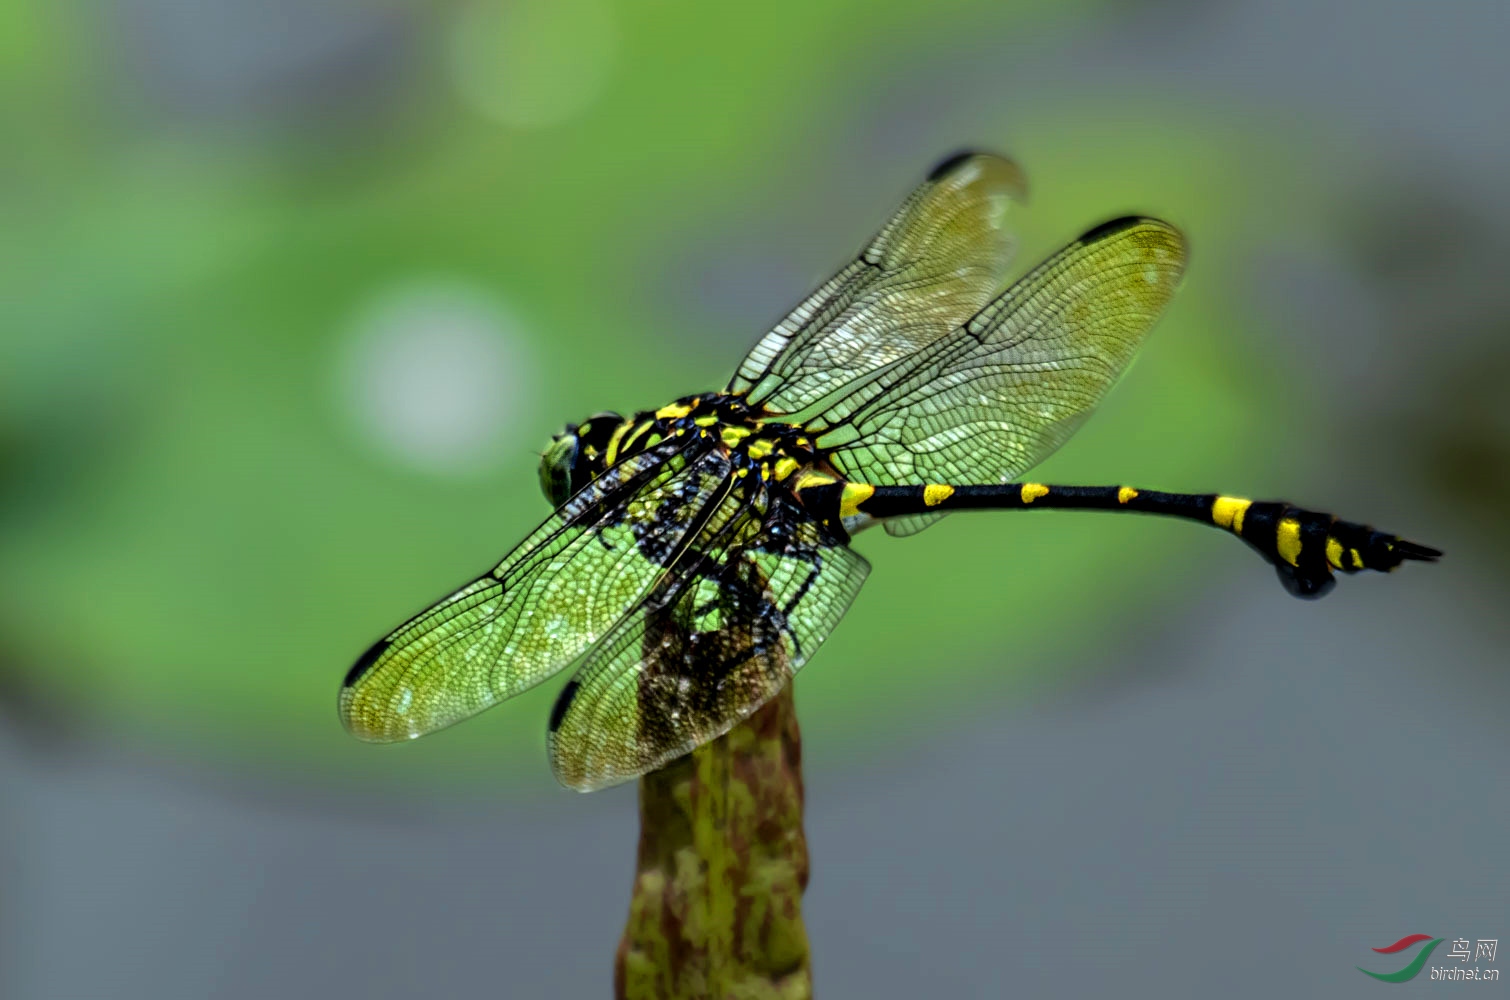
{"x":556,"y":467}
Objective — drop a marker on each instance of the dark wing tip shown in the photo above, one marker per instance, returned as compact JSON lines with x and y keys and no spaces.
{"x":563,"y":702}
{"x":362,"y":665}
{"x":1112,"y":227}
{"x":994,"y":170}
{"x":952,"y":162}
{"x":1411,"y":550}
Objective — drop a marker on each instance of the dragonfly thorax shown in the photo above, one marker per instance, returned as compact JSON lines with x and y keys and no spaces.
{"x":582,"y":452}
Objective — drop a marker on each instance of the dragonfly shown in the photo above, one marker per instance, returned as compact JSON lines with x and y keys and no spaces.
{"x":698,"y":554}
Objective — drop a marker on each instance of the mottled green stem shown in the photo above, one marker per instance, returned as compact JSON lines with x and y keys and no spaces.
{"x":717,"y":906}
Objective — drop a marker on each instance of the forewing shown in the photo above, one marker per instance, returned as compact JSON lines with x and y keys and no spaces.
{"x":933,"y":266}
{"x":561,"y":588}
{"x":996,"y":396}
{"x":744,"y":612}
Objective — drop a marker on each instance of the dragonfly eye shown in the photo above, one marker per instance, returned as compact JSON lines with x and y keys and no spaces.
{"x":576,"y":456}
{"x":556,"y":467}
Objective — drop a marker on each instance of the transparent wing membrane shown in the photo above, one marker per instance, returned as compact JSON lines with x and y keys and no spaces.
{"x":589,"y":564}
{"x":936,"y":263}
{"x":711,"y":646}
{"x":997,"y":395}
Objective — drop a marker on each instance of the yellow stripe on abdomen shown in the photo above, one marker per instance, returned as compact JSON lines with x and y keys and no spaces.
{"x":1287,"y":540}
{"x":853,"y":496}
{"x":1227,"y":512}
{"x":1032,"y":491}
{"x":936,"y":493}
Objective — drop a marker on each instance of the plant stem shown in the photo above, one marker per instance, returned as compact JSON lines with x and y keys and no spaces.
{"x":717,"y":904}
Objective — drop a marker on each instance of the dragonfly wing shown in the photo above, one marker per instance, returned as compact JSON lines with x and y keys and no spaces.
{"x":742,"y":614}
{"x":936,"y":263}
{"x":996,"y":396}
{"x":550,"y":598}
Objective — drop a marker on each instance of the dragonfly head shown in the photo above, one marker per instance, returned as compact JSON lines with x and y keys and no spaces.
{"x":576,"y":456}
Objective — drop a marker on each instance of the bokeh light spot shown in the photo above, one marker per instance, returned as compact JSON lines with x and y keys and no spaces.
{"x":532,"y":63}
{"x":435,"y":374}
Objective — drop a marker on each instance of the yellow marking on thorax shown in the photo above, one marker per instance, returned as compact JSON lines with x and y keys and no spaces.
{"x":811,"y":478}
{"x":733,"y":434}
{"x":936,"y":493}
{"x":853,"y":496}
{"x":673,"y":411}
{"x":1032,"y":491}
{"x":760,"y":448}
{"x":785,"y":467}
{"x":1334,"y":552}
{"x":1357,"y":559}
{"x":707,"y":421}
{"x":1287,"y":542}
{"x":617,"y":439}
{"x":1227,"y":512}
{"x":1125,"y":494}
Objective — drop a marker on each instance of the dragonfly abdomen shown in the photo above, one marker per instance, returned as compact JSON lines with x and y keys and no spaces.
{"x":1305,"y":547}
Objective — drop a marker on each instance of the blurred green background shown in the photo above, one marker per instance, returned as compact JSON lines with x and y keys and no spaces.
{"x":294,"y":293}
{"x":282,"y":348}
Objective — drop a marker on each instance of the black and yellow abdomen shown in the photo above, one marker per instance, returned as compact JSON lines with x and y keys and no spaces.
{"x":1305,"y":547}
